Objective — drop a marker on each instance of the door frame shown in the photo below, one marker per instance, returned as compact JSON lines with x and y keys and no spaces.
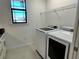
{"x":75,"y":43}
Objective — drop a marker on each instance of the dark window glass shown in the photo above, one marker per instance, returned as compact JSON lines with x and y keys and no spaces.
{"x":19,"y":16}
{"x":19,"y":4}
{"x":18,"y":11}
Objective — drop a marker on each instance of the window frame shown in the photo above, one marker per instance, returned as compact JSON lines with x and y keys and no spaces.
{"x":18,"y":10}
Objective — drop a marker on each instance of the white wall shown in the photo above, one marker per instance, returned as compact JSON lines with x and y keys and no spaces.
{"x":21,"y":34}
{"x":53,"y":4}
{"x":62,"y":17}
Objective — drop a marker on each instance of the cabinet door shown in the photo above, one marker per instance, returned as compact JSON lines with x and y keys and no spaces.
{"x":41,"y":43}
{"x":4,"y":50}
{"x":1,"y":49}
{"x":4,"y":46}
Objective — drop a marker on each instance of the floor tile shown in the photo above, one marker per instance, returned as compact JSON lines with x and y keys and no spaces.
{"x":22,"y":53}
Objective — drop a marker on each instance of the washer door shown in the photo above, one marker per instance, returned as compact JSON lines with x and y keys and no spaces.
{"x":57,"y":48}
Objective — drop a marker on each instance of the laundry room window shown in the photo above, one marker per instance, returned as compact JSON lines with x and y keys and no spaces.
{"x":18,"y":11}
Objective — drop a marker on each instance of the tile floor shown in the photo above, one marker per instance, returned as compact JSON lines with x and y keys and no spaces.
{"x":22,"y":53}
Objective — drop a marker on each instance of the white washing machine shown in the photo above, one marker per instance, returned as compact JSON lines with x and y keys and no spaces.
{"x":58,"y":44}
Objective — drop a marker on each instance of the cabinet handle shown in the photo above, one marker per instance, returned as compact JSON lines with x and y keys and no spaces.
{"x":76,"y":49}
